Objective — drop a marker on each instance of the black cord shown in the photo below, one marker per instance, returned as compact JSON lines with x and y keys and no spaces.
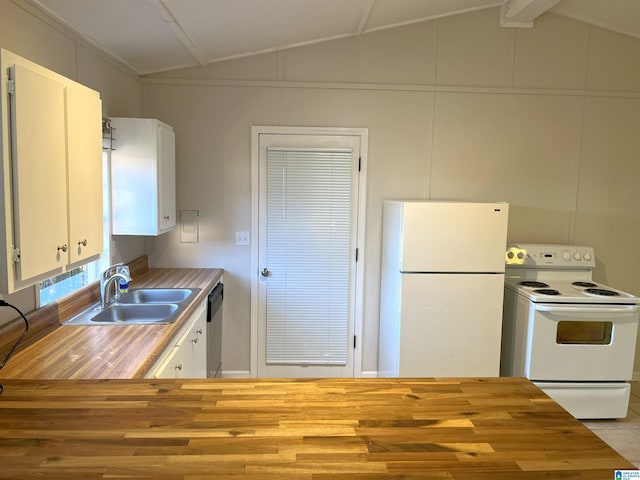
{"x":24,"y":334}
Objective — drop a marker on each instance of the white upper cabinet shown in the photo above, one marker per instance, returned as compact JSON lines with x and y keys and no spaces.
{"x":51,"y":196}
{"x":143,"y":177}
{"x":84,"y":145}
{"x":38,"y":163}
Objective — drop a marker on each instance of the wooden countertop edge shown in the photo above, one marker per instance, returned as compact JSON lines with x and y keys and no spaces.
{"x":90,"y":353}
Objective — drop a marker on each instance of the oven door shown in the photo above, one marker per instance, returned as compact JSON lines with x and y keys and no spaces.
{"x":581,"y":342}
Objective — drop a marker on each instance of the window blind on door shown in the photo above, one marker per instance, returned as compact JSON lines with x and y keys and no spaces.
{"x":308,"y":253}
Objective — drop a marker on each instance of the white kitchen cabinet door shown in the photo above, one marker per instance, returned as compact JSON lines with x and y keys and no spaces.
{"x":186,"y":357}
{"x":194,"y":346}
{"x":171,"y":366}
{"x":143,"y":192}
{"x":167,"y":180}
{"x":84,"y":158}
{"x":39,"y":180}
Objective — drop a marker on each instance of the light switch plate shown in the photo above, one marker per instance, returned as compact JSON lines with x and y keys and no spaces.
{"x":189,"y":226}
{"x":242,"y":238}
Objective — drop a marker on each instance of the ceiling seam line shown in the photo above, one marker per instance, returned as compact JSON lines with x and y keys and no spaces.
{"x":365,"y":17}
{"x":185,"y":39}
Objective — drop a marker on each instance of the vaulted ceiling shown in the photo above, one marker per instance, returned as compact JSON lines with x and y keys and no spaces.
{"x":159,"y":35}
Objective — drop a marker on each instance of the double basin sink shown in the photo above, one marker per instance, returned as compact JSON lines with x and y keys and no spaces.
{"x":139,"y":306}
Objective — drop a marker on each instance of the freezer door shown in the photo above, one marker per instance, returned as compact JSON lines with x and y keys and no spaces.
{"x":453,"y":237}
{"x":450,"y":325}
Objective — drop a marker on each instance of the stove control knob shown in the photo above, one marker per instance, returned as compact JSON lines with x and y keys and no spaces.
{"x":566,"y":256}
{"x":510,"y":255}
{"x":520,"y":255}
{"x":577,"y":256}
{"x":587,"y":256}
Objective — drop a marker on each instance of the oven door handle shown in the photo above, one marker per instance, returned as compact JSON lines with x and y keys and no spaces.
{"x":623,"y":309}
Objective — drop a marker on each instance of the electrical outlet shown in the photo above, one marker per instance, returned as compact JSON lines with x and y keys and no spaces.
{"x":242,"y":238}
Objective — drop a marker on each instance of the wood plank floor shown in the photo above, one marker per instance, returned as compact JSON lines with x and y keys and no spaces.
{"x":284,"y":429}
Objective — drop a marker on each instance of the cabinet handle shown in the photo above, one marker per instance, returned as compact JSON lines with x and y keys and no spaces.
{"x":63,"y":248}
{"x":199,"y":332}
{"x":179,"y":366}
{"x":82,"y":243}
{"x":166,"y":217}
{"x":195,"y":340}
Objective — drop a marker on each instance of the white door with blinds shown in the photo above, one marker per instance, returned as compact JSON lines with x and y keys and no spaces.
{"x":307,"y":254}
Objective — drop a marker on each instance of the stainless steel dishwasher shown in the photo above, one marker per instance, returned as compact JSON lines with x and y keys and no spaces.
{"x":214,"y":332}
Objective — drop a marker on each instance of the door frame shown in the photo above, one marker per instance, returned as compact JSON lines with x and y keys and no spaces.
{"x":363,"y":133}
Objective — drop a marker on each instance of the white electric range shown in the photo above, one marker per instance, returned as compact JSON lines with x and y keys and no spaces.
{"x":573,"y":337}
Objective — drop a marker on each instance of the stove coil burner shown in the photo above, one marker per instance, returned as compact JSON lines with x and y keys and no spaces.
{"x":547,"y":291}
{"x":602,"y":292}
{"x":584,"y":284}
{"x":533,"y":284}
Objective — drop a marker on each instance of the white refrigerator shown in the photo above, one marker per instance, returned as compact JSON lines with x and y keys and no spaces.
{"x":442,"y":284}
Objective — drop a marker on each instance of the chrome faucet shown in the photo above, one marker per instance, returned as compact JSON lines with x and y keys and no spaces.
{"x":119,"y":271}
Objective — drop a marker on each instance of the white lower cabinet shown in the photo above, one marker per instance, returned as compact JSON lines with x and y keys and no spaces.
{"x":171,"y":367}
{"x":187,"y":356}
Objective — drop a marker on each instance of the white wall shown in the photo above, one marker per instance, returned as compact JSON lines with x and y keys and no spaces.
{"x":457,"y":108}
{"x":25,"y":31}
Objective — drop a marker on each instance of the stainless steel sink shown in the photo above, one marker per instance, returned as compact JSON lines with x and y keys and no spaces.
{"x":143,"y":306}
{"x":137,"y":313}
{"x":156,"y":295}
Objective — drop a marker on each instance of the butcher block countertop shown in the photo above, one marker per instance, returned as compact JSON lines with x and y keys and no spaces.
{"x":106,"y":351}
{"x":465,"y":429}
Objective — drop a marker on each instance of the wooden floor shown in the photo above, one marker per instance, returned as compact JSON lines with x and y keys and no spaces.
{"x":283,"y":429}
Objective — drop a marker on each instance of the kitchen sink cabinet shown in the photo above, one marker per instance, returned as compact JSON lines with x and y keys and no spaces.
{"x":143,"y":192}
{"x":51,"y":200}
{"x":170,"y":367}
{"x":187,"y":356}
{"x":194,"y":348}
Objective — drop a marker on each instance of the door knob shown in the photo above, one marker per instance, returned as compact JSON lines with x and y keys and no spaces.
{"x":265,"y":272}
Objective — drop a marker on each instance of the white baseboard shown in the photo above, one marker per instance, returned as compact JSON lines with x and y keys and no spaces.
{"x":247,"y":374}
{"x":364,"y":374}
{"x":236,"y":374}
